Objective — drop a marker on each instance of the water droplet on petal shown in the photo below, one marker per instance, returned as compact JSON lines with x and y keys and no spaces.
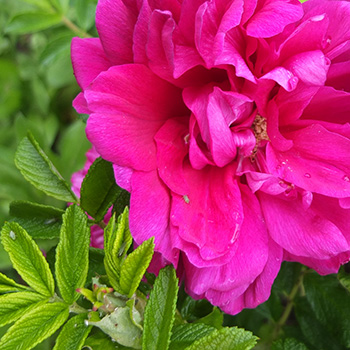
{"x":12,"y":235}
{"x":346,"y":178}
{"x":307,"y":175}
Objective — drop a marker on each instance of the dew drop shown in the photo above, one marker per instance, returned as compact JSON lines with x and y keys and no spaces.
{"x":307,"y":175}
{"x":75,"y":325}
{"x":186,"y":199}
{"x":86,"y":322}
{"x":12,"y":235}
{"x":346,"y":178}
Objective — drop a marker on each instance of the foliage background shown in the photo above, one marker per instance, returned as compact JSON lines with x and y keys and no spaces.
{"x":305,"y":311}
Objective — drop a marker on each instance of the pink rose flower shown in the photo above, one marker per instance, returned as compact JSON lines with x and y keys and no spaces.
{"x":228,"y":121}
{"x":96,"y":238}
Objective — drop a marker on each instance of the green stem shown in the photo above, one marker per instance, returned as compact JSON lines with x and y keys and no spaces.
{"x":290,"y":303}
{"x":74,"y":28}
{"x":77,"y":309}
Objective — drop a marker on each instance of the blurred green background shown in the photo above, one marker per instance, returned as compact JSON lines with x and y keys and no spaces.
{"x":37,"y":89}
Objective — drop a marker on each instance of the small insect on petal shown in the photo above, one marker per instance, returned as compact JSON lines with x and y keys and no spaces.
{"x":186,"y":199}
{"x":12,"y":235}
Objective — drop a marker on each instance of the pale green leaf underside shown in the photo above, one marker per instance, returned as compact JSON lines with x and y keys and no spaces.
{"x":15,"y":305}
{"x":160,"y":311}
{"x":72,"y":254}
{"x":73,"y":334}
{"x":135,"y":266}
{"x":226,"y":339}
{"x":27,"y":258}
{"x":36,"y":168}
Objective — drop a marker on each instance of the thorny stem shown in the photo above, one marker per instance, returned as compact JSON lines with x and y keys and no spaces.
{"x":73,"y":27}
{"x":290,"y":303}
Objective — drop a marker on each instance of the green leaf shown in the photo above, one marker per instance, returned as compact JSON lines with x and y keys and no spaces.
{"x":117,"y":242}
{"x":288,"y":344}
{"x":73,"y":138}
{"x":101,"y":341}
{"x":135,"y":266}
{"x":96,"y":266}
{"x":226,"y":339}
{"x":55,"y":48}
{"x":40,"y":221}
{"x":344,"y":277}
{"x":215,"y":319}
{"x":27,"y":258}
{"x":72,"y":253}
{"x":85,"y":10}
{"x":120,"y":325}
{"x":15,"y":305}
{"x":35,"y":326}
{"x":160,"y":311}
{"x":73,"y":334}
{"x":185,"y":334}
{"x":9,"y":285}
{"x":98,"y":190}
{"x":32,"y":22}
{"x":122,"y":200}
{"x":43,"y":4}
{"x":324,"y":318}
{"x":36,"y":168}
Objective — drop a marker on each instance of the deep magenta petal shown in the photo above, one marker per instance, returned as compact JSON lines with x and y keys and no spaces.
{"x":212,"y":204}
{"x":273,"y":17}
{"x":149,"y":213}
{"x":228,"y":122}
{"x":88,"y":59}
{"x":115,"y":24}
{"x":299,"y":231}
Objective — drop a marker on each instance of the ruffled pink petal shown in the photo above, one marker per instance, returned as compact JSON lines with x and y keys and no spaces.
{"x":329,"y":105}
{"x":259,"y":291}
{"x":80,"y":104}
{"x":339,"y":76}
{"x":141,"y":33}
{"x":311,"y":67}
{"x":88,"y":59}
{"x":172,"y":148}
{"x":309,"y":35}
{"x":301,"y":232}
{"x":273,"y":17}
{"x":213,"y":204}
{"x":115,"y":23}
{"x":149,"y":213}
{"x":324,"y":266}
{"x":316,"y":142}
{"x":130,"y":104}
{"x":338,"y":13}
{"x":123,"y":176}
{"x":215,"y":111}
{"x":310,"y":174}
{"x":248,"y":262}
{"x":213,"y":21}
{"x":160,"y":47}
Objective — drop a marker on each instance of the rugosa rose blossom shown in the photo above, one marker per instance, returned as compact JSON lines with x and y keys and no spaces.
{"x":227,"y":120}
